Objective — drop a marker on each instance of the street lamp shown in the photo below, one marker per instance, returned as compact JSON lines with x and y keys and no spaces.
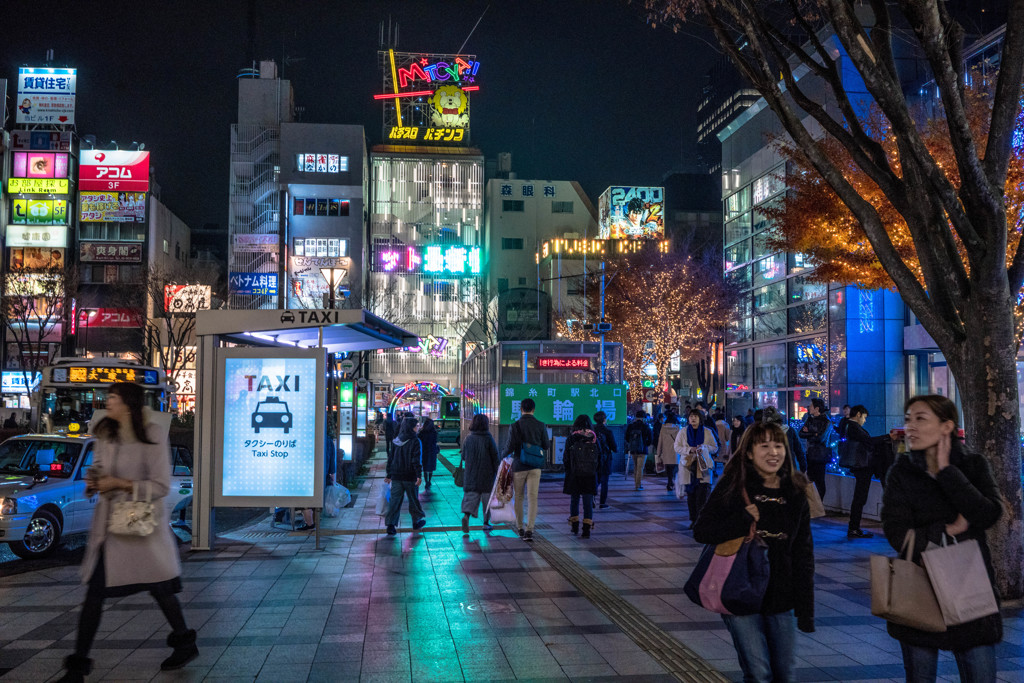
{"x":334,"y":277}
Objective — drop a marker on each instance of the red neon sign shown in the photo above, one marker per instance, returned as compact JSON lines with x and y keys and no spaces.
{"x":563,"y":362}
{"x":418,"y":93}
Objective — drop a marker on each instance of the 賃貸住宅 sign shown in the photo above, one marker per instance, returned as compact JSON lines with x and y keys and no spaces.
{"x":54,"y":236}
{"x":37,"y":185}
{"x":561,"y":404}
{"x":271,"y":431}
{"x":113,"y":171}
{"x":39,"y":211}
{"x":14,"y":382}
{"x":110,"y":252}
{"x":46,"y":95}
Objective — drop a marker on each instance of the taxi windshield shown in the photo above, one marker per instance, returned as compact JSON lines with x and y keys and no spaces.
{"x":272,"y":408}
{"x":31,"y":456}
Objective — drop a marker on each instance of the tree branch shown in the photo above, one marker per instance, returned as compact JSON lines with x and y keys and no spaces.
{"x":1006,"y":103}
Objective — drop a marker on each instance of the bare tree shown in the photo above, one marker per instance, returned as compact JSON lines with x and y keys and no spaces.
{"x":795,"y":50}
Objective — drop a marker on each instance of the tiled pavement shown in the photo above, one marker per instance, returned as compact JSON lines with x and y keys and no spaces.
{"x":438,"y":606}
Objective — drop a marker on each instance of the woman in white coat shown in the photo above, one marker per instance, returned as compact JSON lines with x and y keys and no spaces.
{"x":694,"y":446}
{"x":132,"y":455}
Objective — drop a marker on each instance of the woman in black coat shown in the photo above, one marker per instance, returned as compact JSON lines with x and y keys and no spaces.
{"x":774,"y":498}
{"x":428,"y":437}
{"x":938,"y":488}
{"x":480,"y":463}
{"x":580,"y":486}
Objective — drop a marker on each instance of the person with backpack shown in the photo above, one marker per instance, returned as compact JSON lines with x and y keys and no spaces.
{"x":638,"y":441}
{"x":581,"y":457}
{"x":856,"y":453}
{"x":818,"y":431}
{"x":608,"y":449}
{"x":695,"y":443}
{"x":404,"y":474}
{"x":528,"y":445}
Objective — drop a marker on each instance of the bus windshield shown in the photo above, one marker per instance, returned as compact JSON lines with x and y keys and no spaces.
{"x":72,"y":390}
{"x":62,"y":406}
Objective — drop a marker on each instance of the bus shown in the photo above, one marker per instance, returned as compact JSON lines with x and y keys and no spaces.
{"x":71,"y":389}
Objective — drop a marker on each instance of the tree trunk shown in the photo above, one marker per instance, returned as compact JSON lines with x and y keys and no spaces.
{"x":985,"y":368}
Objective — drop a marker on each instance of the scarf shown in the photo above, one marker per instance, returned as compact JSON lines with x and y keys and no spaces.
{"x":694,"y":437}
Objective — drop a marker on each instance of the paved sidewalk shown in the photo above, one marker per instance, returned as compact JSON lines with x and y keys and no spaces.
{"x":438,"y":606}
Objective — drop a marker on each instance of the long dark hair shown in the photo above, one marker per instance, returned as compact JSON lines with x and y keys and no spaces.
{"x":428,"y":426}
{"x":582,"y":422}
{"x":134,"y":398}
{"x":479,"y":423}
{"x":740,"y":472}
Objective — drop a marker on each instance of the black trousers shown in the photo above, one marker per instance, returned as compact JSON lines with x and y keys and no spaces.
{"x":696,"y":496}
{"x":602,"y":485}
{"x":816,"y":473}
{"x":670,"y":474}
{"x":860,"y":495}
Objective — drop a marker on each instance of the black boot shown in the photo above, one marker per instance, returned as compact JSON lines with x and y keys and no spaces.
{"x":76,"y":669}
{"x":588,"y":524}
{"x":574,"y":525}
{"x":185,"y":650}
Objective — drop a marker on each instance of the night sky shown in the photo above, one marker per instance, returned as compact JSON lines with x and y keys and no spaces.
{"x":576,"y":89}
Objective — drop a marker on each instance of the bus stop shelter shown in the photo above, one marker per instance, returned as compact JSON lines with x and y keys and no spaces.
{"x":302,"y":335}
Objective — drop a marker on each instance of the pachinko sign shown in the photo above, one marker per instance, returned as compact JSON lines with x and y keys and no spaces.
{"x":113,"y":171}
{"x":632,"y":213}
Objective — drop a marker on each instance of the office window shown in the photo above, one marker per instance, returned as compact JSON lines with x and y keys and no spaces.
{"x":167,"y":248}
{"x":318,"y":206}
{"x":512,"y":205}
{"x":511,"y":242}
{"x":300,"y":247}
{"x":561,"y":207}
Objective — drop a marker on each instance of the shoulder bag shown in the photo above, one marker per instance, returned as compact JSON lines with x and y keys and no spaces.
{"x":901,"y":592}
{"x":731,"y":577}
{"x":131,"y":516}
{"x":459,"y":474}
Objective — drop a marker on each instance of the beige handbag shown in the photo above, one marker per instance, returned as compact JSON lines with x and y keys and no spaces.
{"x":901,"y":592}
{"x":958,"y":574}
{"x":131,"y":516}
{"x":814,"y":501}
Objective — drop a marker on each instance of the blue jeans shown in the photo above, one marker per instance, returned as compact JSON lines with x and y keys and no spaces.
{"x":588,"y":505}
{"x":602,"y":484}
{"x":765,"y":646}
{"x":976,"y":665}
{"x":399,"y":489}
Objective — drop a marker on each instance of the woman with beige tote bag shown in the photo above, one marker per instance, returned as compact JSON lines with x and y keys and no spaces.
{"x":935,"y":481}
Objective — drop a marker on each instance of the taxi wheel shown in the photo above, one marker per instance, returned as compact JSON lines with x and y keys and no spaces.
{"x":41,"y":538}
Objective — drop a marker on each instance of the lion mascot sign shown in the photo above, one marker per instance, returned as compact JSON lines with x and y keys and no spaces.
{"x":449,"y":104}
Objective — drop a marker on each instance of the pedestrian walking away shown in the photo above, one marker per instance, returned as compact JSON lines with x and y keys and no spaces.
{"x":428,"y":437}
{"x":480,"y":460}
{"x":694,"y":445}
{"x":132,"y":461}
{"x":763,"y":471}
{"x":938,"y":489}
{"x":390,"y":432}
{"x":527,"y":441}
{"x":666,"y":451}
{"x":606,"y":440}
{"x":404,"y":474}
{"x":857,"y":451}
{"x":581,"y":457}
{"x":818,"y":430}
{"x":638,"y":442}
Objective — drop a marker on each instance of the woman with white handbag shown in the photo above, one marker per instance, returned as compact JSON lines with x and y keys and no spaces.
{"x":131,"y":547}
{"x":939,"y":490}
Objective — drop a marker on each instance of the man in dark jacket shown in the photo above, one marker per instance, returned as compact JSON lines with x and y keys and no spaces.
{"x":390,"y":432}
{"x":606,"y":440}
{"x":404,"y":473}
{"x":526,"y":431}
{"x":862,"y":451}
{"x":817,"y":428}
{"x":638,"y":442}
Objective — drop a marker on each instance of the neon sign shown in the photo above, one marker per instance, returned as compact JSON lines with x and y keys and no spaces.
{"x":431,"y":260}
{"x":563,"y":362}
{"x":457,"y":71}
{"x":421,"y":387}
{"x":431,"y":134}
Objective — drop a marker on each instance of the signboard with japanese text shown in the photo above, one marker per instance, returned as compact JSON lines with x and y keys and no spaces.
{"x":426,"y":96}
{"x":185,"y":382}
{"x":46,"y":95}
{"x":249,"y":244}
{"x":320,"y":162}
{"x":39,"y":211}
{"x":432,"y":259}
{"x":112,"y":207}
{"x":55,"y":141}
{"x":113,"y":171}
{"x":39,"y":165}
{"x":562,"y":362}
{"x":88,"y":374}
{"x":37,"y":185}
{"x":253,"y":283}
{"x":47,"y":236}
{"x":110,"y":252}
{"x":632,"y":213}
{"x":14,"y":382}
{"x":109,"y":317}
{"x":271,"y":428}
{"x":186,"y":298}
{"x":561,"y":404}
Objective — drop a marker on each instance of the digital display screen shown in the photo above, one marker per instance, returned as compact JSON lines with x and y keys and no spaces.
{"x":563,"y":362}
{"x":109,"y":375}
{"x":269,"y":430}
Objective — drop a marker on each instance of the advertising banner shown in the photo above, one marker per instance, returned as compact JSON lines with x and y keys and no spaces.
{"x":37,"y":185}
{"x":560,"y":404}
{"x":112,"y":207}
{"x":632,"y":212}
{"x":36,"y":258}
{"x":271,"y":437}
{"x":113,"y":170}
{"x":433,"y":259}
{"x":109,"y":317}
{"x":110,"y":252}
{"x":39,"y":211}
{"x":46,"y":95}
{"x":46,"y":236}
{"x":39,"y":165}
{"x":41,"y":139}
{"x":186,"y":298}
{"x":251,"y":244}
{"x":253,"y":283}
{"x":14,"y":382}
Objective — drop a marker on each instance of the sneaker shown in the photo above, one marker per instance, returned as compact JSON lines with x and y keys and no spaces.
{"x":465,"y":525}
{"x":306,"y":527}
{"x":640,"y":488}
{"x":487,"y":526}
{"x":419,"y":524}
{"x":602,"y":506}
{"x":528,"y":535}
{"x":522,"y":533}
{"x":391,"y":530}
{"x":859,"y":533}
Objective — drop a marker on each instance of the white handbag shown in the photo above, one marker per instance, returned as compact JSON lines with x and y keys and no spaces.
{"x":132,"y":517}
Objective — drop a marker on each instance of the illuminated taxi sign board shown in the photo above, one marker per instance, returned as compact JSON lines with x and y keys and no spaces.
{"x":435,"y":259}
{"x":101,"y":375}
{"x":563,"y":362}
{"x":37,"y":185}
